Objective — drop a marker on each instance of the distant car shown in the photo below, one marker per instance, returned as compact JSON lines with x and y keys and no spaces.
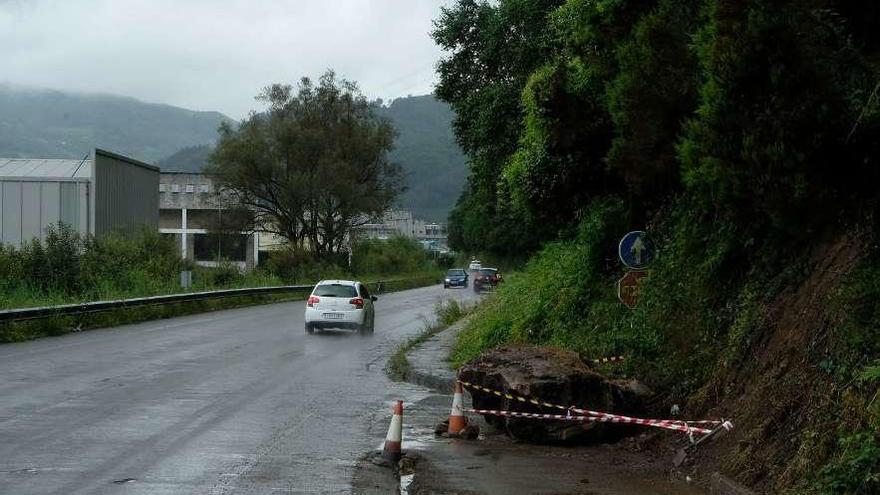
{"x":486,"y":279}
{"x":455,"y":277}
{"x":345,"y":304}
{"x":475,"y":265}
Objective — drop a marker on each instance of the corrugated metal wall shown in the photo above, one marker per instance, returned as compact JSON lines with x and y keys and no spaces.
{"x":126,"y":194}
{"x":28,"y":207}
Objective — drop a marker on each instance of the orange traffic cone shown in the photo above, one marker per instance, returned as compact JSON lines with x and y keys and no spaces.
{"x":395,"y":434}
{"x":457,"y":419}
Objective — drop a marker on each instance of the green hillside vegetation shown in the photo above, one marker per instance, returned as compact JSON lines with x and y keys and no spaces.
{"x":744,"y":137}
{"x":38,"y":123}
{"x":189,"y":159}
{"x":425,"y":147}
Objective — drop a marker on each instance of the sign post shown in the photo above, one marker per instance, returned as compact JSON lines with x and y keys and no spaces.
{"x":636,"y":252}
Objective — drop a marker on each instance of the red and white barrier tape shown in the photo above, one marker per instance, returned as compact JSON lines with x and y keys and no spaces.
{"x":617,"y":418}
{"x":597,"y":416}
{"x":572,"y":408}
{"x":669,"y":425}
{"x":611,"y":359}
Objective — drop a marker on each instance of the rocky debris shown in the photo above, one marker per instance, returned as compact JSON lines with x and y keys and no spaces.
{"x":377,"y":459}
{"x":470,"y":432}
{"x":441,"y":428}
{"x":407,"y":464}
{"x":555,"y":376}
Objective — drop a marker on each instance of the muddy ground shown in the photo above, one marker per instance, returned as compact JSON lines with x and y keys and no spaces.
{"x":496,"y":464}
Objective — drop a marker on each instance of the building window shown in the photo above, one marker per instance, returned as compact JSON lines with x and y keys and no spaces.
{"x":205,"y":188}
{"x":161,"y":187}
{"x":216,"y":247}
{"x":190,"y":188}
{"x":175,"y":188}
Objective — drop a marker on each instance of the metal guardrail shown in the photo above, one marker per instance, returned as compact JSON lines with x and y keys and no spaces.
{"x":22,"y":314}
{"x":9,"y":315}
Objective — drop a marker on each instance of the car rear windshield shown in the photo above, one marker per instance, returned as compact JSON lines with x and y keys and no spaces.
{"x":488,"y":271}
{"x":335,"y":290}
{"x":458,"y":272}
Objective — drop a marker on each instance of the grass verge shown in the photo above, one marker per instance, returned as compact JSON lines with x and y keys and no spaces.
{"x":55,"y":326}
{"x":398,"y":365}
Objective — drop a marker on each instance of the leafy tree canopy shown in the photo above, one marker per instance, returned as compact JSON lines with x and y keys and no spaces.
{"x":312,"y":165}
{"x":764,"y":113}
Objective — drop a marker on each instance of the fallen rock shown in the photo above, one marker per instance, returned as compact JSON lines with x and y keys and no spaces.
{"x":555,"y":376}
{"x":470,"y":432}
{"x":442,"y":428}
{"x":407,"y":465}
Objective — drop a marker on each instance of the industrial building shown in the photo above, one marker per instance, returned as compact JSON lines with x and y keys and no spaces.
{"x":190,"y":208}
{"x":403,"y":223}
{"x":93,"y":196}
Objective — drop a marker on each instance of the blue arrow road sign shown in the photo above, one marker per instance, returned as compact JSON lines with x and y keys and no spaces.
{"x":636,"y":250}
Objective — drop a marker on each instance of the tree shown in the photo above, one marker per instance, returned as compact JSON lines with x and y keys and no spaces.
{"x":785,"y":135}
{"x":312,"y":165}
{"x":493,"y":48}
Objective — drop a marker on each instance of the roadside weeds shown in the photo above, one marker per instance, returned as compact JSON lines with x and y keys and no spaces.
{"x":399,"y":367}
{"x":60,"y":325}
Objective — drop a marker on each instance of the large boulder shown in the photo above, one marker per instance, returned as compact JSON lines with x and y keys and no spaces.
{"x":555,"y":376}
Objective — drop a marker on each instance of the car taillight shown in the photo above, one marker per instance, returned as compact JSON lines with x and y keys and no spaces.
{"x":313,"y":300}
{"x":358,"y":302}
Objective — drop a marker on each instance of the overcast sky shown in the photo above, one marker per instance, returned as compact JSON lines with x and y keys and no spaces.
{"x":216,"y":54}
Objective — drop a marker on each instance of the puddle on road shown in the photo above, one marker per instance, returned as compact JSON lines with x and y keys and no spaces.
{"x":29,"y":470}
{"x":405,"y":481}
{"x":408,"y":445}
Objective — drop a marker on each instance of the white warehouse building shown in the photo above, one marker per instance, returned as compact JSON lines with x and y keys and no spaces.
{"x":93,"y":196}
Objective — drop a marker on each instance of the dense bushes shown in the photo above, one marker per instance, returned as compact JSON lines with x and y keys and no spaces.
{"x":853,"y":362}
{"x":370,"y":258}
{"x":387,"y":257}
{"x":295,"y":265}
{"x":563,"y":297}
{"x":765,"y":114}
{"x":67,"y":267}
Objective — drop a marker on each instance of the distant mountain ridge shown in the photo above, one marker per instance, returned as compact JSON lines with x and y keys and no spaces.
{"x":426,"y":148}
{"x":44,"y":123}
{"x":39,"y":123}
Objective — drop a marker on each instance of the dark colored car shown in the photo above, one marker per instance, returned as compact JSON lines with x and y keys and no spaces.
{"x":486,"y":279}
{"x":455,"y":277}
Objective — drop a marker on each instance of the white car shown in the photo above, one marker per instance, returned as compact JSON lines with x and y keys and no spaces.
{"x":475,"y":265}
{"x":340,"y":304}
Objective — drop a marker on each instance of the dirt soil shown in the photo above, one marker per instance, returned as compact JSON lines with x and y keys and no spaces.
{"x":779,"y":388}
{"x":496,"y":464}
{"x":552,"y":375}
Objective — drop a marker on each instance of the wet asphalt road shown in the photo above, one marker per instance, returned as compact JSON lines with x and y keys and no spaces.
{"x":237,"y":401}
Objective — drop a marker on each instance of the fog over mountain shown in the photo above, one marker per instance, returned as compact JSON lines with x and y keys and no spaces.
{"x":216,"y":54}
{"x":54,"y":124}
{"x":43,"y":123}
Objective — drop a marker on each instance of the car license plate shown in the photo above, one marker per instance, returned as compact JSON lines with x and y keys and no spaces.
{"x":333,"y":316}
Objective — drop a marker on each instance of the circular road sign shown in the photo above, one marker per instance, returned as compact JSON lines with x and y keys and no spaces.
{"x":636,"y":250}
